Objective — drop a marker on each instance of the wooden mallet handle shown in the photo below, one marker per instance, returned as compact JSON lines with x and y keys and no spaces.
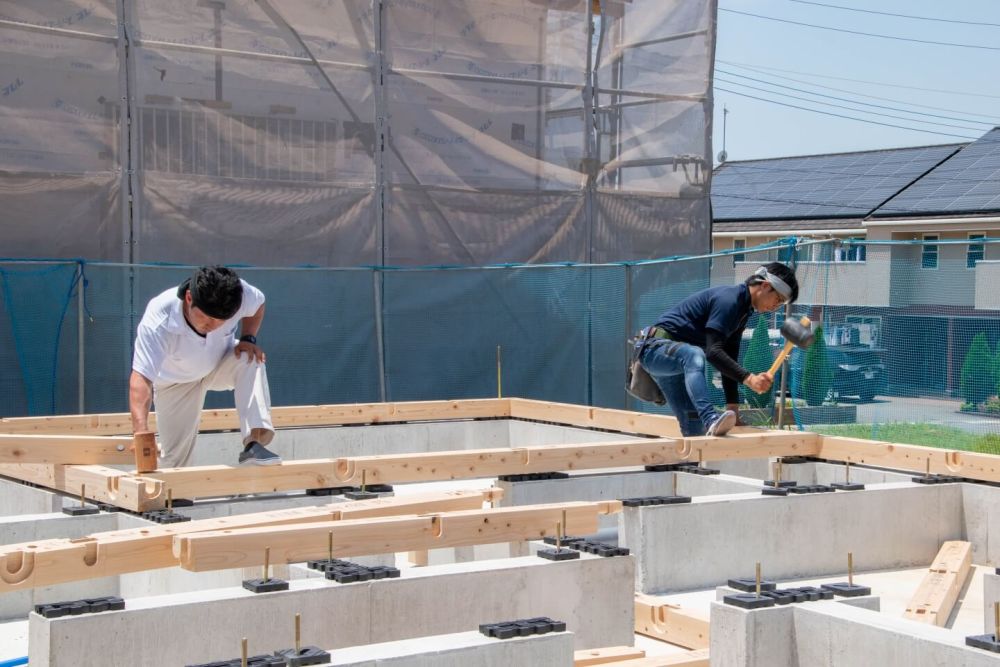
{"x":144,"y":445}
{"x":781,"y":358}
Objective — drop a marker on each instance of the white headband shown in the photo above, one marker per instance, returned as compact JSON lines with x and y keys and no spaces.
{"x":779,"y":285}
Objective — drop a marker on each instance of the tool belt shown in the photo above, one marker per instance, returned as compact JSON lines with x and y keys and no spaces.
{"x":638,"y":382}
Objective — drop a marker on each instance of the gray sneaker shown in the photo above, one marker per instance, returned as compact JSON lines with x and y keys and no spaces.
{"x":255,"y":454}
{"x":722,"y":423}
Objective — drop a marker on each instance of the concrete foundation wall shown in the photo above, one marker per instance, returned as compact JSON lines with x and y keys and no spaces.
{"x":991,"y":594}
{"x":594,"y":596}
{"x":982,"y":516}
{"x":795,"y":536}
{"x":466,"y":649}
{"x":17,"y":499}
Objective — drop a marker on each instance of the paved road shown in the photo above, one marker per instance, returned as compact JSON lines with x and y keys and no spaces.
{"x":927,"y":410}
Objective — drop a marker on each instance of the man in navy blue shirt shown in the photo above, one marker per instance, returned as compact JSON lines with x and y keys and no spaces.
{"x":709,"y":325}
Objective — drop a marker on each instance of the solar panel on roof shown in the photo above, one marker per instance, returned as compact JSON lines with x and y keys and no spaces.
{"x":968,"y":182}
{"x":821,"y":186}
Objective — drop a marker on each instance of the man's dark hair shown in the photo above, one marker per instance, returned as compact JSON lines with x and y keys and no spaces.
{"x":215,"y":291}
{"x":779,"y":270}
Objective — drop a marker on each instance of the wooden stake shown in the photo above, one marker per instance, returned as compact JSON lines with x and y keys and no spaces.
{"x":758,"y":578}
{"x":850,"y":568}
{"x":267,"y":564}
{"x":298,"y":633}
{"x":499,"y":384}
{"x":243,"y":659}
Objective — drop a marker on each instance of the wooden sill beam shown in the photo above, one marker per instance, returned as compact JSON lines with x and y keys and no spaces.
{"x":913,"y":458}
{"x":604,"y":656}
{"x":71,"y":449}
{"x":120,"y":423}
{"x":584,"y":416}
{"x":670,"y":623}
{"x":218,"y":550}
{"x":937,"y":593}
{"x":56,"y":561}
{"x":697,"y":658}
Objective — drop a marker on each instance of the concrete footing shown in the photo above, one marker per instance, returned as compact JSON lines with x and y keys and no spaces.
{"x":466,"y":649}
{"x":593,"y":595}
{"x":892,"y":526}
{"x":833,"y":635}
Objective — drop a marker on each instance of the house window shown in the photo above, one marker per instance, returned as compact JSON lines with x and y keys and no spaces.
{"x":975,"y":251}
{"x":853,"y":252}
{"x":929,"y":252}
{"x":739,"y":244}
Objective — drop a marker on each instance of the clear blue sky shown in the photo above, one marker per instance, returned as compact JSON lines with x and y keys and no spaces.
{"x":808,"y":57}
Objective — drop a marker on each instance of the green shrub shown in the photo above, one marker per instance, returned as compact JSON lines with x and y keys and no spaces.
{"x":757,"y":360}
{"x":817,"y":376}
{"x":977,"y":372}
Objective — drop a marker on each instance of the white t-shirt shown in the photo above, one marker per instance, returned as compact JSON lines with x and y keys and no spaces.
{"x":167,"y":350}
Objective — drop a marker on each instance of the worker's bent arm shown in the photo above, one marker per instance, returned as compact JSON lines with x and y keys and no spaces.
{"x":251,"y":325}
{"x":140,"y":398}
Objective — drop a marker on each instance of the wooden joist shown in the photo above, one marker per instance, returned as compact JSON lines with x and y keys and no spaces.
{"x":292,"y":544}
{"x":604,"y":656}
{"x":670,"y":623}
{"x":587,"y":417}
{"x":938,"y":591}
{"x":97,"y":483}
{"x":914,"y":458}
{"x":300,"y":415}
{"x":698,"y":658}
{"x":73,"y":449}
{"x":55,"y":561}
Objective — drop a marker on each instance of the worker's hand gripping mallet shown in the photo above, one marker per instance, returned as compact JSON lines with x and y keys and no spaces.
{"x":796,"y":334}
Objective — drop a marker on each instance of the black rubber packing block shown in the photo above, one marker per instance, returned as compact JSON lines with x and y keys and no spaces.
{"x":697,"y":470}
{"x":533,"y":477}
{"x":844,"y":589}
{"x":271,"y":585}
{"x":104,"y":507}
{"x":330,"y":491}
{"x":749,"y":601}
{"x":783,"y":484}
{"x":843,"y":486}
{"x":810,"y":488}
{"x":80,"y":510}
{"x":77,"y":607}
{"x":987,"y":642}
{"x":522,"y":628}
{"x":558,"y":554}
{"x":361,"y":495}
{"x":792,"y":460}
{"x":567,"y":541}
{"x":346,"y":572}
{"x":670,"y":467}
{"x":812,"y":593}
{"x":165,"y":516}
{"x":780,"y":597}
{"x":774,"y":491}
{"x":749,"y":584}
{"x":655,"y":500}
{"x":255,"y":661}
{"x":306,"y":655}
{"x":936,"y":479}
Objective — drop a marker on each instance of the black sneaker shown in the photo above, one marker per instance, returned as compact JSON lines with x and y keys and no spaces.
{"x":255,"y":454}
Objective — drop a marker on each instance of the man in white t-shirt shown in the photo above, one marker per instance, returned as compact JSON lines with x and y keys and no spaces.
{"x":185,"y":346}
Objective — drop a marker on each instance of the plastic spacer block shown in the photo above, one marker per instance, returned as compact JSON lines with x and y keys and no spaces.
{"x":773,"y":491}
{"x":558,"y":554}
{"x":749,"y":584}
{"x":844,"y":589}
{"x":987,"y":642}
{"x":80,"y":510}
{"x":748,"y":601}
{"x":265,"y":585}
{"x":306,"y":655}
{"x":841,"y":486}
{"x":359,"y":495}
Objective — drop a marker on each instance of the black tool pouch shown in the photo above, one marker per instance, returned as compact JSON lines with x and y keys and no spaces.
{"x":638,"y":382}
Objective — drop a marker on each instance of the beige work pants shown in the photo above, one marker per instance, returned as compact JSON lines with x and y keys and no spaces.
{"x":178,"y":407}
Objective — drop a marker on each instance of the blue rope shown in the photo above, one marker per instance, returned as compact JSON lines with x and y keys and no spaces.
{"x":14,"y":662}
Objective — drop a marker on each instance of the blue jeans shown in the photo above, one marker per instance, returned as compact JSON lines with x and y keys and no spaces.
{"x":679,"y":371}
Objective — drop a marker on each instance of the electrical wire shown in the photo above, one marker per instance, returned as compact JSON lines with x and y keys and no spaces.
{"x":904,"y":16}
{"x":844,"y":78}
{"x":867,"y":104}
{"x":864,"y":34}
{"x":837,"y":115}
{"x":992,"y":120}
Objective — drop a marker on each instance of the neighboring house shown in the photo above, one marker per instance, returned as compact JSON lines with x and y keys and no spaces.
{"x":945,"y":292}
